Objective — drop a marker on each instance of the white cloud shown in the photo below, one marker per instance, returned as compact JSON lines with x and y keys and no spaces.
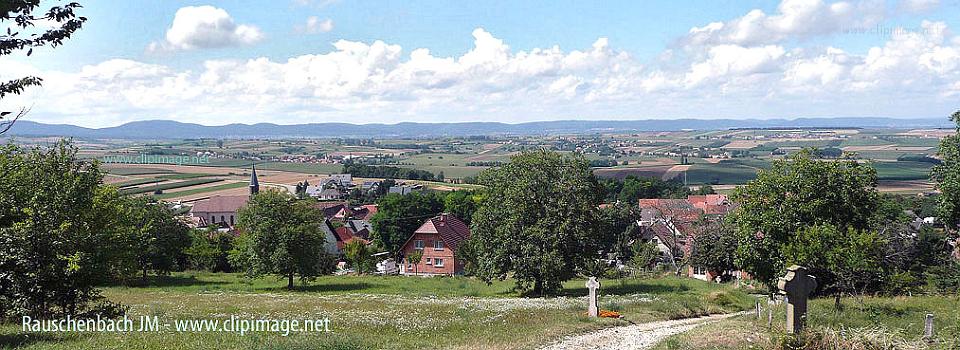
{"x":762,"y":75}
{"x":315,"y":25}
{"x":919,"y":6}
{"x":795,"y":19}
{"x":201,"y":27}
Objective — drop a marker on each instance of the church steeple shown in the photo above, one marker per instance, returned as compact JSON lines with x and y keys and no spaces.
{"x":254,"y":184}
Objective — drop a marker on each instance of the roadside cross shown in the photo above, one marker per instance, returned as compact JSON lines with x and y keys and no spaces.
{"x":592,"y":285}
{"x":797,"y":285}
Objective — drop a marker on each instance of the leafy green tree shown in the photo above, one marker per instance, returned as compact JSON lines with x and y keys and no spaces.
{"x":358,"y":254}
{"x":618,"y":227}
{"x":283,"y":237}
{"x":159,"y":238}
{"x":414,"y":259}
{"x":539,"y":223}
{"x":23,"y":15}
{"x":715,"y":247}
{"x":399,"y":215}
{"x":947,"y":177}
{"x":644,"y":254}
{"x":61,"y":231}
{"x":845,"y":260}
{"x":461,"y":204}
{"x":210,"y":250}
{"x":794,"y":193}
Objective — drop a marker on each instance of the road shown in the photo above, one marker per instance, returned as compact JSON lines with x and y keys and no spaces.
{"x":633,"y":337}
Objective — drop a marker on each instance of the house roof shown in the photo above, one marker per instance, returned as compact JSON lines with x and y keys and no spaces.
{"x":451,"y":229}
{"x":330,"y":209}
{"x":218,"y":204}
{"x":678,"y":209}
{"x":713,"y":204}
{"x":344,"y":235}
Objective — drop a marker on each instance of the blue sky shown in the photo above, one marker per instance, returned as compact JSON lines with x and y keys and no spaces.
{"x":216,"y":62}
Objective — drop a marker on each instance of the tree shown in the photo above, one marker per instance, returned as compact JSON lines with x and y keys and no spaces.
{"x":539,"y":222}
{"x":61,"y":231}
{"x":399,"y":215}
{"x":22,"y":13}
{"x":281,"y":236}
{"x":461,"y":204}
{"x":946,"y":175}
{"x":358,"y":254}
{"x":794,"y":193}
{"x":715,"y":247}
{"x":414,"y":259}
{"x":159,"y":239}
{"x":844,"y":260}
{"x":644,"y":254}
{"x":210,"y":250}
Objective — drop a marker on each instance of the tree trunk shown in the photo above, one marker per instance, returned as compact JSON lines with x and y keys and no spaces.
{"x":538,"y":287}
{"x":837,"y":305}
{"x":290,"y":281}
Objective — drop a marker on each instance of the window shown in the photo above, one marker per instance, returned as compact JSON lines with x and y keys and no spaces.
{"x":231,"y":220}
{"x":438,"y":245}
{"x":418,"y":244}
{"x":213,"y":219}
{"x":699,"y":270}
{"x":429,"y":262}
{"x":439,"y":263}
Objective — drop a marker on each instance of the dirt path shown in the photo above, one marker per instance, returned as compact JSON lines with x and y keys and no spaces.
{"x":636,"y":337}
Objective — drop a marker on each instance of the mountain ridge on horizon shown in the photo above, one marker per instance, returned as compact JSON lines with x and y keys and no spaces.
{"x":171,"y":129}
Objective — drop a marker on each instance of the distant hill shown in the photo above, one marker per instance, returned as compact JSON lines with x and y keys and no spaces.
{"x":167,"y":129}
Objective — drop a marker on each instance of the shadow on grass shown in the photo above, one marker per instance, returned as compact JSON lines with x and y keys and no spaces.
{"x":615,"y":288}
{"x":328,"y":287}
{"x":18,"y":340}
{"x":170,"y":281}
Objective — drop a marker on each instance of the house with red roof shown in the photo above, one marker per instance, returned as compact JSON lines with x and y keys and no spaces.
{"x":438,"y":238}
{"x":672,"y":224}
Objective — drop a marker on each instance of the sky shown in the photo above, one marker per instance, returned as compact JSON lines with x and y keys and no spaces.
{"x":315,"y":61}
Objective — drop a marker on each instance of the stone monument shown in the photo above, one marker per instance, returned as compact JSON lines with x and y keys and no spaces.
{"x":797,"y":284}
{"x":594,"y":309}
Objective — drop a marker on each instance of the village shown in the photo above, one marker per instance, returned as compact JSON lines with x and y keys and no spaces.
{"x":508,"y":175}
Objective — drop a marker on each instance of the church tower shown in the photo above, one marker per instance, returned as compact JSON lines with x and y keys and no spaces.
{"x":254,"y":184}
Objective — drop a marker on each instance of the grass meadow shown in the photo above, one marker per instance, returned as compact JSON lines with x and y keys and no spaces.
{"x":377,"y":312}
{"x":864,"y":323}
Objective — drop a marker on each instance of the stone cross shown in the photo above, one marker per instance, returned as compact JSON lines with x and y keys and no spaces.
{"x":797,"y":285}
{"x":594,"y":309}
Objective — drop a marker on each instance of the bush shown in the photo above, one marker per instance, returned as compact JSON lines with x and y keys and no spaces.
{"x":946,"y":278}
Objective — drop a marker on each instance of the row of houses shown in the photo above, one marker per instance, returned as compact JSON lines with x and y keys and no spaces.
{"x":437,"y":238}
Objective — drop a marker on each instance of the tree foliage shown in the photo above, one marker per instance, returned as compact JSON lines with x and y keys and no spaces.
{"x":61,"y":232}
{"x":539,"y":222}
{"x":399,"y":215}
{"x":715,"y":247}
{"x":358,"y":255}
{"x":24,"y":15}
{"x":158,"y":238}
{"x":281,"y":236}
{"x":947,"y":177}
{"x":795,"y":193}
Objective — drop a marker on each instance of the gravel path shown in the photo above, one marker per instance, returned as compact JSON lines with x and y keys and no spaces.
{"x":634,"y":337}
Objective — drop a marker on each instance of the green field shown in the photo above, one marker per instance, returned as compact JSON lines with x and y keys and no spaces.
{"x":903,"y":170}
{"x":394,"y":312}
{"x":169,"y":186}
{"x":136,"y":182}
{"x":201,"y":190}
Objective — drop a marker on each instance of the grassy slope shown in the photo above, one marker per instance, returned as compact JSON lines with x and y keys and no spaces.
{"x":870,"y":323}
{"x":386,"y":312}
